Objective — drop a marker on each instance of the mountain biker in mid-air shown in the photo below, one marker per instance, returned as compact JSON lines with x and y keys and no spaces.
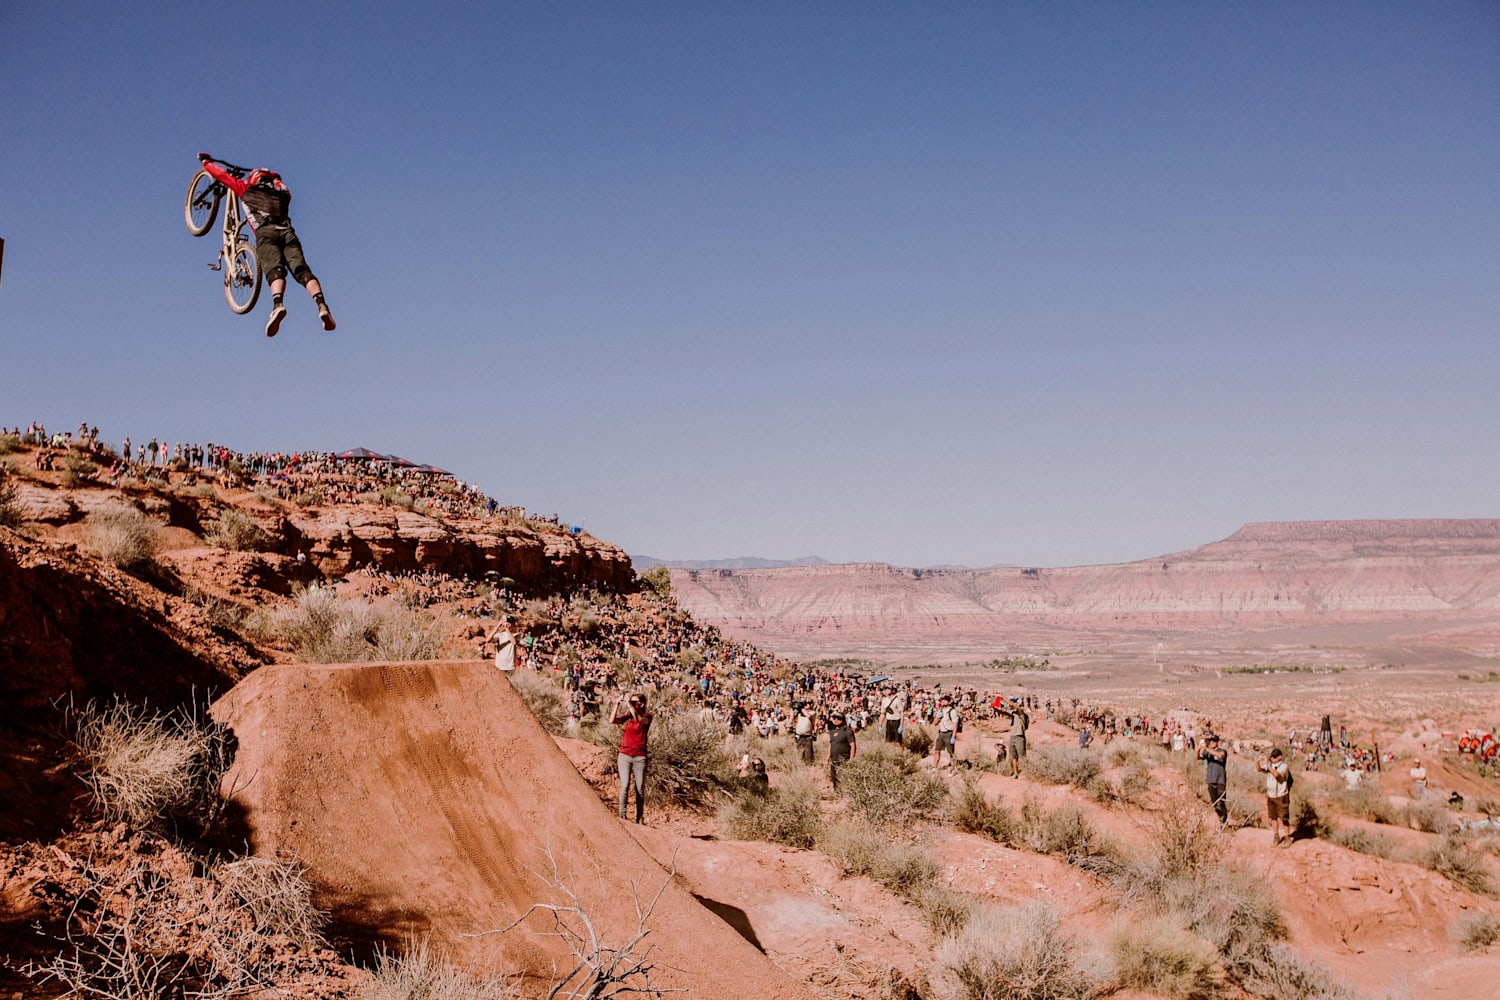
{"x":277,"y":248}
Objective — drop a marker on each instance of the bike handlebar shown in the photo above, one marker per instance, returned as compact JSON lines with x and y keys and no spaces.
{"x":234,"y":169}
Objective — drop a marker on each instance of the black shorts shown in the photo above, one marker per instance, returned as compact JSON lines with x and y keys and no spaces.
{"x":278,"y":250}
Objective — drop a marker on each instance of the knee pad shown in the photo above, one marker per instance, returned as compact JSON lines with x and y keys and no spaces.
{"x":303,"y":275}
{"x":276,"y":273}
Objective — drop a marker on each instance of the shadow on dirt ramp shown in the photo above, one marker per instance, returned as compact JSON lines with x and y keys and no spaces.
{"x":425,"y":797}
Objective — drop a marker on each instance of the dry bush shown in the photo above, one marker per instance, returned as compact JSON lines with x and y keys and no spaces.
{"x":886,"y":789}
{"x":1364,"y":801}
{"x":1129,"y":787}
{"x":77,"y":469}
{"x":9,"y":443}
{"x":277,"y":896}
{"x":1064,"y":831}
{"x":124,"y":538}
{"x":544,"y":698}
{"x":1129,"y":753}
{"x":423,"y":972}
{"x":1062,"y":765}
{"x":1280,"y":974}
{"x":146,"y":768}
{"x":1477,"y":931}
{"x":235,"y":530}
{"x":688,"y":763}
{"x":1233,"y":910}
{"x":1160,"y":956}
{"x":1011,"y":954}
{"x":10,"y":504}
{"x":917,"y":740}
{"x":324,"y":628}
{"x":1460,"y":863}
{"x":1184,"y":840}
{"x":1363,"y":841}
{"x":787,"y":814}
{"x":853,"y":845}
{"x":1429,"y":817}
{"x":1307,"y":817}
{"x":946,"y":911}
{"x":973,"y":813}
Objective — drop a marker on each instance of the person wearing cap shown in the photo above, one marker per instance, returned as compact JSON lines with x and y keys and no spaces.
{"x":1278,"y":796}
{"x":841,"y":746}
{"x":1216,"y":771}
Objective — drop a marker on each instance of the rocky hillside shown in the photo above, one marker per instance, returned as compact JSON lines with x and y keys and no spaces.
{"x":1434,"y":576}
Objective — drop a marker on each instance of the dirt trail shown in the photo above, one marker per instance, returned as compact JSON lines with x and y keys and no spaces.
{"x":422,"y":796}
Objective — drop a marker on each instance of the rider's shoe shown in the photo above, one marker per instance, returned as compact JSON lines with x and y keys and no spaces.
{"x":274,"y":323}
{"x":326,"y":317}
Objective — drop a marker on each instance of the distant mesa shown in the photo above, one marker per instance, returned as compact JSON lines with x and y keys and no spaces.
{"x":642,"y":563}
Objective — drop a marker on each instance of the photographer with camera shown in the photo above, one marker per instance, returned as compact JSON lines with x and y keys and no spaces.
{"x":635,"y":725}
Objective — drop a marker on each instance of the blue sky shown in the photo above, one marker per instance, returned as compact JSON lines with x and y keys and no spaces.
{"x":965,"y":283}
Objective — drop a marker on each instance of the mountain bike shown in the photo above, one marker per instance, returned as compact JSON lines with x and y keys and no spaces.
{"x":237,"y":255}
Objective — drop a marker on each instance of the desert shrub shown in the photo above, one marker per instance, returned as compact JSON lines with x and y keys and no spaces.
{"x":1460,"y":863}
{"x":853,"y":845}
{"x":787,"y":814}
{"x":148,"y":769}
{"x":9,"y":443}
{"x":1487,"y":804}
{"x":219,"y":613}
{"x":1064,"y":831}
{"x":917,"y":740}
{"x":277,"y":896}
{"x":1429,"y":817}
{"x":544,"y":698}
{"x":125,"y":538}
{"x":1062,"y":765}
{"x":946,"y":911}
{"x":1477,"y":931}
{"x":1128,"y":753}
{"x":10,"y":504}
{"x":688,"y":762}
{"x":76,"y":469}
{"x":236,"y":530}
{"x":423,"y":972}
{"x":1363,"y":841}
{"x":324,"y":628}
{"x":1364,"y":801}
{"x":1280,"y":974}
{"x":973,"y":813}
{"x":886,"y":789}
{"x":1245,"y":809}
{"x":1184,"y":840}
{"x":1130,"y":786}
{"x":659,"y":580}
{"x":1011,"y":954}
{"x":1307,"y":819}
{"x":1160,"y":956}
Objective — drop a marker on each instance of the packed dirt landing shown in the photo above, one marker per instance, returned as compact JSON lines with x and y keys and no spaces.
{"x":426,"y":799}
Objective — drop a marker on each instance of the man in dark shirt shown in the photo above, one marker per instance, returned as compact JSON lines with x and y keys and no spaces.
{"x":840,"y":746}
{"x":1216,"y":771}
{"x":277,"y":248}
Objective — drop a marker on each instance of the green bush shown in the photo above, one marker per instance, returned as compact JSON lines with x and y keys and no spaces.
{"x":1160,"y":956}
{"x":786,"y":814}
{"x":658,"y":579}
{"x":1011,"y":954}
{"x":77,"y":469}
{"x":688,"y":763}
{"x":917,"y":740}
{"x":1364,"y":841}
{"x":1064,"y":831}
{"x":887,"y":790}
{"x":1062,"y":765}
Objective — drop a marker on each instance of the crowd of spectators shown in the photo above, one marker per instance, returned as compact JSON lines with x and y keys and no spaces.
{"x":320,"y":477}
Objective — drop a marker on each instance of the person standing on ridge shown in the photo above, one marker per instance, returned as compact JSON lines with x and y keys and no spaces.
{"x":636,"y":727}
{"x":1216,"y":774}
{"x":277,"y":248}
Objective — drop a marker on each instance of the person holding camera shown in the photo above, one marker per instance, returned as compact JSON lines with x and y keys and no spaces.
{"x":635,"y":723}
{"x":1216,"y":771}
{"x":841,"y":746}
{"x":1278,"y":795}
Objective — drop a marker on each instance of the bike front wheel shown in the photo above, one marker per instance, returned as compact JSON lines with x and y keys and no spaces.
{"x":201,"y":207}
{"x":242,"y":279}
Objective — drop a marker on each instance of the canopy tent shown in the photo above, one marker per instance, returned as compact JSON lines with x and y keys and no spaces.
{"x":362,"y":454}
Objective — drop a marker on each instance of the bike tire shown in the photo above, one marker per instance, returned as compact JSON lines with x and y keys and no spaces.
{"x":201,"y":206}
{"x":242,"y":279}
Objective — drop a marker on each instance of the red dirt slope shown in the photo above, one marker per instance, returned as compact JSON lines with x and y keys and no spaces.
{"x":422,"y":795}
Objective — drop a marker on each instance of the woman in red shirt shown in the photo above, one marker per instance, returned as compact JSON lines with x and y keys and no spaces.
{"x":636,"y":726}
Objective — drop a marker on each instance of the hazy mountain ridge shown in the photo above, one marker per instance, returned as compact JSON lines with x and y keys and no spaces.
{"x":642,"y":563}
{"x":1265,"y":576}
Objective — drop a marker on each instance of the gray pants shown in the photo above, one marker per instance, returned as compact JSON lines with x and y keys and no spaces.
{"x":633,"y":770}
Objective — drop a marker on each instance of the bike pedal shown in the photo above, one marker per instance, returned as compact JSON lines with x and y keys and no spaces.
{"x":216,"y":266}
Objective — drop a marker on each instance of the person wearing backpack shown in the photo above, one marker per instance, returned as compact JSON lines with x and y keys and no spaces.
{"x":1019,"y":721}
{"x":277,"y":248}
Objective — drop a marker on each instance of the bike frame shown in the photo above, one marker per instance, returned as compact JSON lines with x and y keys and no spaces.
{"x":234,"y":233}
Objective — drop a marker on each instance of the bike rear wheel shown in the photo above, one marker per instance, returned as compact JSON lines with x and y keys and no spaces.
{"x":242,"y":279}
{"x":201,"y":207}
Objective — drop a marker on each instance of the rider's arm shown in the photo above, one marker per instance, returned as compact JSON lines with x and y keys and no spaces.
{"x":235,"y":184}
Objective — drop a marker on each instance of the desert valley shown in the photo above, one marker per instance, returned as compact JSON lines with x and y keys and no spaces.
{"x":372,"y":809}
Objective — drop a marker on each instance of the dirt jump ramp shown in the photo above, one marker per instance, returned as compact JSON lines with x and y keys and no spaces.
{"x":426,"y":800}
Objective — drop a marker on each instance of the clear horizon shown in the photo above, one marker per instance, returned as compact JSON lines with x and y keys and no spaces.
{"x":975,"y":284}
